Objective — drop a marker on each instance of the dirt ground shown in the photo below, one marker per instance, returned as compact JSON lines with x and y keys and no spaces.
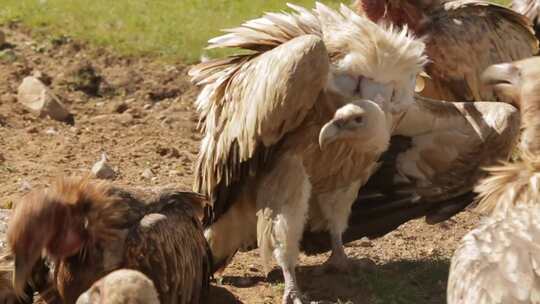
{"x":142,"y":116}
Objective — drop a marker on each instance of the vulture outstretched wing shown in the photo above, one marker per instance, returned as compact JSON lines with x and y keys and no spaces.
{"x":248,"y":104}
{"x":430,"y":168}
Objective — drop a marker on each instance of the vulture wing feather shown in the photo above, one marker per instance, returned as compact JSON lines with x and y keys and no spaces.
{"x":248,"y":104}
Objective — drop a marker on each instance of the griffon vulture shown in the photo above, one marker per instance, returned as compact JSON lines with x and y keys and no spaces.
{"x":463,"y":38}
{"x":436,"y":157}
{"x":498,"y":262}
{"x":88,"y":229}
{"x":124,"y":286}
{"x":286,"y":126}
{"x":529,"y":8}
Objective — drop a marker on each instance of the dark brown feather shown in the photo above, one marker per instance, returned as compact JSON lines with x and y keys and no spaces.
{"x":160,"y":236}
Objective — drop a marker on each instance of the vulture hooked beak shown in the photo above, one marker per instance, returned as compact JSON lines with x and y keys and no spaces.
{"x":503,"y":78}
{"x":329,"y":132}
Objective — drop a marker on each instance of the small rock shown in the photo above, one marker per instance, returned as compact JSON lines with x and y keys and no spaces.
{"x":102,"y":169}
{"x":25,"y":186}
{"x":51,"y":131}
{"x":38,"y":99}
{"x":147,"y":174}
{"x":147,"y":106}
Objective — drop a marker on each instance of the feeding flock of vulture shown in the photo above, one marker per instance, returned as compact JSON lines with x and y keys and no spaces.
{"x":332,"y":126}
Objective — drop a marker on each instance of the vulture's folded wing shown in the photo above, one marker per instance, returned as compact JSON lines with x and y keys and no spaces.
{"x":250,"y":102}
{"x":169,"y":247}
{"x":465,"y":37}
{"x":431,"y":167}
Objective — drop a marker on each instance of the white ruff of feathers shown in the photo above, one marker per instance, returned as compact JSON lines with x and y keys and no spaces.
{"x":375,"y":51}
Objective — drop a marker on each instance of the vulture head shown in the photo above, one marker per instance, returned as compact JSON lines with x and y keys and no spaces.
{"x":360,"y":120}
{"x":368,"y":60}
{"x":518,"y":83}
{"x":60,"y":222}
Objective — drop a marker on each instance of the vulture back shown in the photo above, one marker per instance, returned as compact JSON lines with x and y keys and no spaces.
{"x":88,"y":229}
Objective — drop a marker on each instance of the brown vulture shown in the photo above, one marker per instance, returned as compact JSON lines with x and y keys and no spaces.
{"x":463,"y":38}
{"x":87,"y":229}
{"x":296,"y":123}
{"x":499,"y":261}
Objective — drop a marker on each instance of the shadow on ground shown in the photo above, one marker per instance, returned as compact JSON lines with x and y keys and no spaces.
{"x":405,"y":281}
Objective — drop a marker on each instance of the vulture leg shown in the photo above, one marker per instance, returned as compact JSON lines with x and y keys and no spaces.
{"x":283,"y":205}
{"x":336,"y":207}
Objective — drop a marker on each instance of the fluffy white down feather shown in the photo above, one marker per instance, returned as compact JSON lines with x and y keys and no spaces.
{"x":499,"y":261}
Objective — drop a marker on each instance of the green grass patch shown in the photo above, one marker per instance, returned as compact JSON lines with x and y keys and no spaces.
{"x":176,"y":29}
{"x":169,"y":28}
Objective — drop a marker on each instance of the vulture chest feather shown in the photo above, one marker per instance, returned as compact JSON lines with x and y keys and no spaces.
{"x":339,"y":164}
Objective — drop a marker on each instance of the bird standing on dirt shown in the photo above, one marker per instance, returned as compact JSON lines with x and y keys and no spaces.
{"x":463,"y":38}
{"x":499,"y":261}
{"x":88,"y":229}
{"x":288,"y":128}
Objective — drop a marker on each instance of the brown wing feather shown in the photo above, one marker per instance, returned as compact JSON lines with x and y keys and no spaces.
{"x":464,"y":38}
{"x":250,"y":108}
{"x":169,"y":247}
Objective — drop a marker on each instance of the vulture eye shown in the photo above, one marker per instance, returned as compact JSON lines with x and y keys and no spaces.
{"x":358,"y":119}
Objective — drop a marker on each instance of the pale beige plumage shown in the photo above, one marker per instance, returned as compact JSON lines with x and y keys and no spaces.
{"x":437,"y":154}
{"x":498,"y":262}
{"x":463,"y":37}
{"x":530,"y":9}
{"x":262,"y":115}
{"x":124,"y":286}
